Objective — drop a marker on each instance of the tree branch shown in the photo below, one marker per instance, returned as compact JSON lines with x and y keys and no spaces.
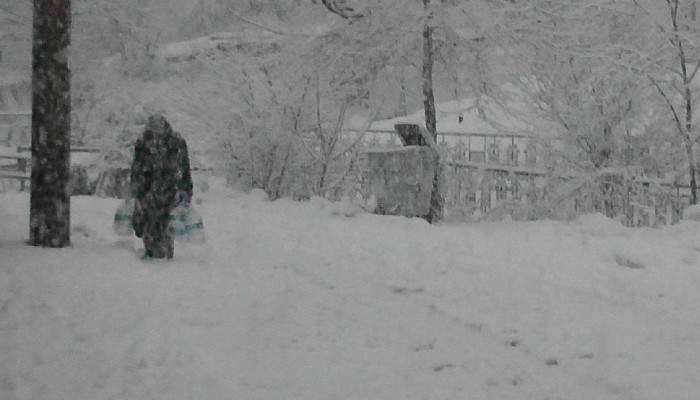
{"x":341,"y":9}
{"x":363,"y":132}
{"x":267,"y":28}
{"x":679,"y":124}
{"x":695,"y":71}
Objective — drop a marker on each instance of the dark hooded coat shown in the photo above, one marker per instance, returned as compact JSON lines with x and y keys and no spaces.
{"x":159,"y":171}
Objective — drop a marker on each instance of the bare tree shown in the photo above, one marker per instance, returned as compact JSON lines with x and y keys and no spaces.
{"x":436,"y":201}
{"x":428,"y":59}
{"x":49,"y":223}
{"x":673,"y":81}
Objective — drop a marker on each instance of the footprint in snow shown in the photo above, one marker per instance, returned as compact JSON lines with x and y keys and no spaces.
{"x":403,"y":290}
{"x":512,"y":341}
{"x":551,"y":362}
{"x":424,"y":347}
{"x":442,"y":367}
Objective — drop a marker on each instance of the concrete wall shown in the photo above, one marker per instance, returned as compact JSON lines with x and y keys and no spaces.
{"x":401,"y":179}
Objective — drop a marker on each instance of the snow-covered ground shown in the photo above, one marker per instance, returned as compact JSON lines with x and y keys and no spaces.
{"x":292,"y":301}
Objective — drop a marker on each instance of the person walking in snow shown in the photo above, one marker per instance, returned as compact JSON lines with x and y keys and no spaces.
{"x":160,"y":179}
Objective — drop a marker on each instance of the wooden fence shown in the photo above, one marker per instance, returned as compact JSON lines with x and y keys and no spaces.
{"x":511,"y":178}
{"x":15,"y":165}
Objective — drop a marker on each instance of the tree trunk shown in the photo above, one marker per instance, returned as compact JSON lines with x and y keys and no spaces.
{"x":403,"y":105}
{"x":49,"y":224}
{"x":687,"y":99}
{"x":692,"y":172}
{"x":428,"y":95}
{"x":436,"y":202}
{"x":322,"y":179}
{"x":283,"y":171}
{"x":692,"y":167}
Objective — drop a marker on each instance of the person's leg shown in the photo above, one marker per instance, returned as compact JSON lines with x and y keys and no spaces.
{"x":168,"y":237}
{"x":163,"y":243}
{"x":152,"y":235}
{"x":147,"y":244}
{"x":159,"y":249}
{"x":170,"y":247}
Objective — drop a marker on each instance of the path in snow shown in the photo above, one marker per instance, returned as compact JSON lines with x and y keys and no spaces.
{"x":287,"y":301}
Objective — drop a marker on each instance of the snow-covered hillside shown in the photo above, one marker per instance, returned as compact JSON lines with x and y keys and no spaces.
{"x":295,"y":301}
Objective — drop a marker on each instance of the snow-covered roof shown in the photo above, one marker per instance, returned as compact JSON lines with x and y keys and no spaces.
{"x":459,"y":117}
{"x":189,"y":48}
{"x":466,"y":117}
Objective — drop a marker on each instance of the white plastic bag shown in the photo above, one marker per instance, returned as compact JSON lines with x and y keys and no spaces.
{"x":123,"y":218}
{"x":186,"y":224}
{"x":194,"y":227}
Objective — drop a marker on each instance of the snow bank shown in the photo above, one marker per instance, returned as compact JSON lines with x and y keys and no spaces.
{"x":288,"y":301}
{"x":600,"y":224}
{"x":347,"y":206}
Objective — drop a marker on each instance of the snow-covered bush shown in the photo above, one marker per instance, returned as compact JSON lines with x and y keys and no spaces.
{"x":286,"y":134}
{"x":623,"y":195}
{"x":348,"y":206}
